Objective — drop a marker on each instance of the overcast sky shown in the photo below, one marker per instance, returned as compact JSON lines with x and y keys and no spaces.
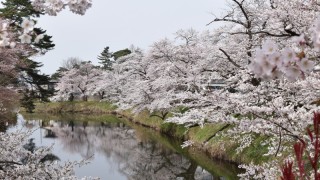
{"x":121,"y":23}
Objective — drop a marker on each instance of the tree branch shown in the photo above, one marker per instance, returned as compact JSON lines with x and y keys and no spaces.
{"x":10,"y":162}
{"x":229,"y":58}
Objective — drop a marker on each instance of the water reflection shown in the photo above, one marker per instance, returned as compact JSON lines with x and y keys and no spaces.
{"x":7,"y":120}
{"x":31,"y":146}
{"x":129,"y":151}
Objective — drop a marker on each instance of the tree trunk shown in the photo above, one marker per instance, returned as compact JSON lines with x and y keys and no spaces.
{"x":85,"y":98}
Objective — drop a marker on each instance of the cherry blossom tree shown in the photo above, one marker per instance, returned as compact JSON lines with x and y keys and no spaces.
{"x":103,"y":84}
{"x":265,"y":53}
{"x":78,"y":80}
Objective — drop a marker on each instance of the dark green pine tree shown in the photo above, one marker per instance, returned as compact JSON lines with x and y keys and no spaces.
{"x":121,"y":53}
{"x":38,"y":83}
{"x":15,"y":10}
{"x":58,"y":74}
{"x":35,"y":83}
{"x":45,"y":44}
{"x":105,"y":59}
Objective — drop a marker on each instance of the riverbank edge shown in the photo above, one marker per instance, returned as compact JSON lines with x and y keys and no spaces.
{"x":208,"y":139}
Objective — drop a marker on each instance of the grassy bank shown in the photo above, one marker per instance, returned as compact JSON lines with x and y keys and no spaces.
{"x":89,"y":107}
{"x":208,"y":139}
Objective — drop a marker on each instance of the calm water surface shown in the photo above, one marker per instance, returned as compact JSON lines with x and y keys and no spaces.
{"x":120,"y":149}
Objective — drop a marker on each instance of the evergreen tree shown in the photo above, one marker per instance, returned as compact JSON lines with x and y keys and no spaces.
{"x":58,"y":73}
{"x":17,"y":9}
{"x":121,"y":53}
{"x":105,"y":59}
{"x":36,"y":82}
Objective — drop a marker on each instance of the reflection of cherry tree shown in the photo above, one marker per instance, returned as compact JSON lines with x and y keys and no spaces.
{"x":151,"y":160}
{"x":76,"y":140}
{"x":135,"y":158}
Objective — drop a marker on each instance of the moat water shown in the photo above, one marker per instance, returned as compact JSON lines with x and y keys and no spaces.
{"x":119,"y":149}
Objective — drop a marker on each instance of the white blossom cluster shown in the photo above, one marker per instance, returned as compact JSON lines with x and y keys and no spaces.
{"x":27,"y":26}
{"x":7,"y":37}
{"x":264,"y":171}
{"x":4,"y":39}
{"x":245,"y":142}
{"x":189,"y":118}
{"x":187,"y":144}
{"x":20,"y":163}
{"x":270,"y":63}
{"x":52,"y":7}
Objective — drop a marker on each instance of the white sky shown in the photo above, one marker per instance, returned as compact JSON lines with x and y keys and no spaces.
{"x":120,"y":23}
